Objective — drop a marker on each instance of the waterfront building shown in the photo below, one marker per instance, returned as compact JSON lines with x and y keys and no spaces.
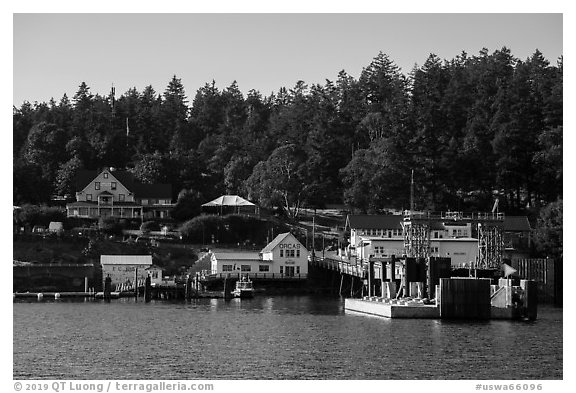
{"x":381,"y":236}
{"x":283,"y":257}
{"x":123,"y":269}
{"x":116,"y":193}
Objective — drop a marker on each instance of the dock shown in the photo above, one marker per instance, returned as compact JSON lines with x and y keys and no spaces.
{"x":457,"y":298}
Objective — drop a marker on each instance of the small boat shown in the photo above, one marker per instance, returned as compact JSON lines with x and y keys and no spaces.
{"x":244,"y":288}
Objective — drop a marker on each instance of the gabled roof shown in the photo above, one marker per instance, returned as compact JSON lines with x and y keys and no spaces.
{"x":229,"y":200}
{"x":126,"y":259}
{"x":237,"y":256}
{"x":516,"y":224}
{"x":127,"y":179}
{"x":277,"y":240}
{"x":367,"y":221}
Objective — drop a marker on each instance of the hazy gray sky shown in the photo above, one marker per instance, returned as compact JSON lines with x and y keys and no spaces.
{"x":54,"y":53}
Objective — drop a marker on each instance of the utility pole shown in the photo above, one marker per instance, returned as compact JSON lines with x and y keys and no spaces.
{"x":412,"y":192}
{"x":313,"y":234}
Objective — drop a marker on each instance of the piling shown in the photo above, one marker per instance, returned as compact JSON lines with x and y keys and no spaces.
{"x":107,"y":288}
{"x":437,"y":268}
{"x":147,"y":289}
{"x":390,"y":290}
{"x":530,"y":288}
{"x":136,"y":284}
{"x":351,"y":286}
{"x":227,"y":290}
{"x":392,"y":268}
{"x":188,"y":288}
{"x":370,"y":278}
{"x":85,"y":284}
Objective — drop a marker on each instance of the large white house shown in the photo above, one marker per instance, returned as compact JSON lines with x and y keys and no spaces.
{"x":283,"y":257}
{"x":117,"y":193}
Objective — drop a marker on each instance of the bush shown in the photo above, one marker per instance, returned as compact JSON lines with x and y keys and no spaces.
{"x":31,"y":215}
{"x":187,"y":206}
{"x":148,"y":226}
{"x":109,"y":226}
{"x":230,"y":229}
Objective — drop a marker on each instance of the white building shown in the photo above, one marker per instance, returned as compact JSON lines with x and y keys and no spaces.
{"x":283,"y":257}
{"x":381,"y":236}
{"x":123,"y":268}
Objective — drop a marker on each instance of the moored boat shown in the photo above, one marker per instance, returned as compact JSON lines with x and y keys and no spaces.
{"x":244,"y":288}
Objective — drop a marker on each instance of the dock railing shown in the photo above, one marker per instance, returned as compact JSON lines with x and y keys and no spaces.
{"x":256,"y":275}
{"x":453,"y":215}
{"x":342,"y":266}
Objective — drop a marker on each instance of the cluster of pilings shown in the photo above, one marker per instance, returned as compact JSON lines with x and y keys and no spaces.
{"x":408,"y":277}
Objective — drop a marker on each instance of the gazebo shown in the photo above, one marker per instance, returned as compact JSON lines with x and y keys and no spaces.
{"x":231,"y":204}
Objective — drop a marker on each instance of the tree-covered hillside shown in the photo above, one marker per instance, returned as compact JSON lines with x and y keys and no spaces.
{"x":468,"y":127}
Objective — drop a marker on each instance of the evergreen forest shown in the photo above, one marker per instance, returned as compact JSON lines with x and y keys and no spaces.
{"x":471,"y":129}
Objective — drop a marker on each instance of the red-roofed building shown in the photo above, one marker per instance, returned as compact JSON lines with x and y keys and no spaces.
{"x":116,"y":193}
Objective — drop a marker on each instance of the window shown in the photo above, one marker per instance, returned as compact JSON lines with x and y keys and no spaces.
{"x":297,"y":269}
{"x":264,"y":268}
{"x":97,"y":185}
{"x":88,"y":197}
{"x":144,"y":201}
{"x":281,"y":253}
{"x":113,"y":185}
{"x":105,"y":174}
{"x":297,"y":253}
{"x":226,"y":268}
{"x":246,"y":268}
{"x":281,"y":269}
{"x":121,"y":197}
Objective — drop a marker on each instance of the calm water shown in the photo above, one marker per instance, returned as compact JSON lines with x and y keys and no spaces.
{"x":297,"y":337}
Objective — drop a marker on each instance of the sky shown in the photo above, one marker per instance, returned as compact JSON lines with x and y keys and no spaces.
{"x":54,"y":53}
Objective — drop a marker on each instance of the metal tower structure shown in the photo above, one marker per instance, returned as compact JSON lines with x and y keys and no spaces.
{"x":490,"y":245}
{"x":416,"y":232}
{"x":488,"y":226}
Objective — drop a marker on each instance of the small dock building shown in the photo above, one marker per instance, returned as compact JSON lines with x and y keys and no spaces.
{"x":123,"y":269}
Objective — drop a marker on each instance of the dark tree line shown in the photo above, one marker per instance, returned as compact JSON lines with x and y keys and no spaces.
{"x":472,"y":129}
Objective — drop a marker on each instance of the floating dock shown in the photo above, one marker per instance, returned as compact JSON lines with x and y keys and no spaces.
{"x":458,"y":298}
{"x":392,"y":308}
